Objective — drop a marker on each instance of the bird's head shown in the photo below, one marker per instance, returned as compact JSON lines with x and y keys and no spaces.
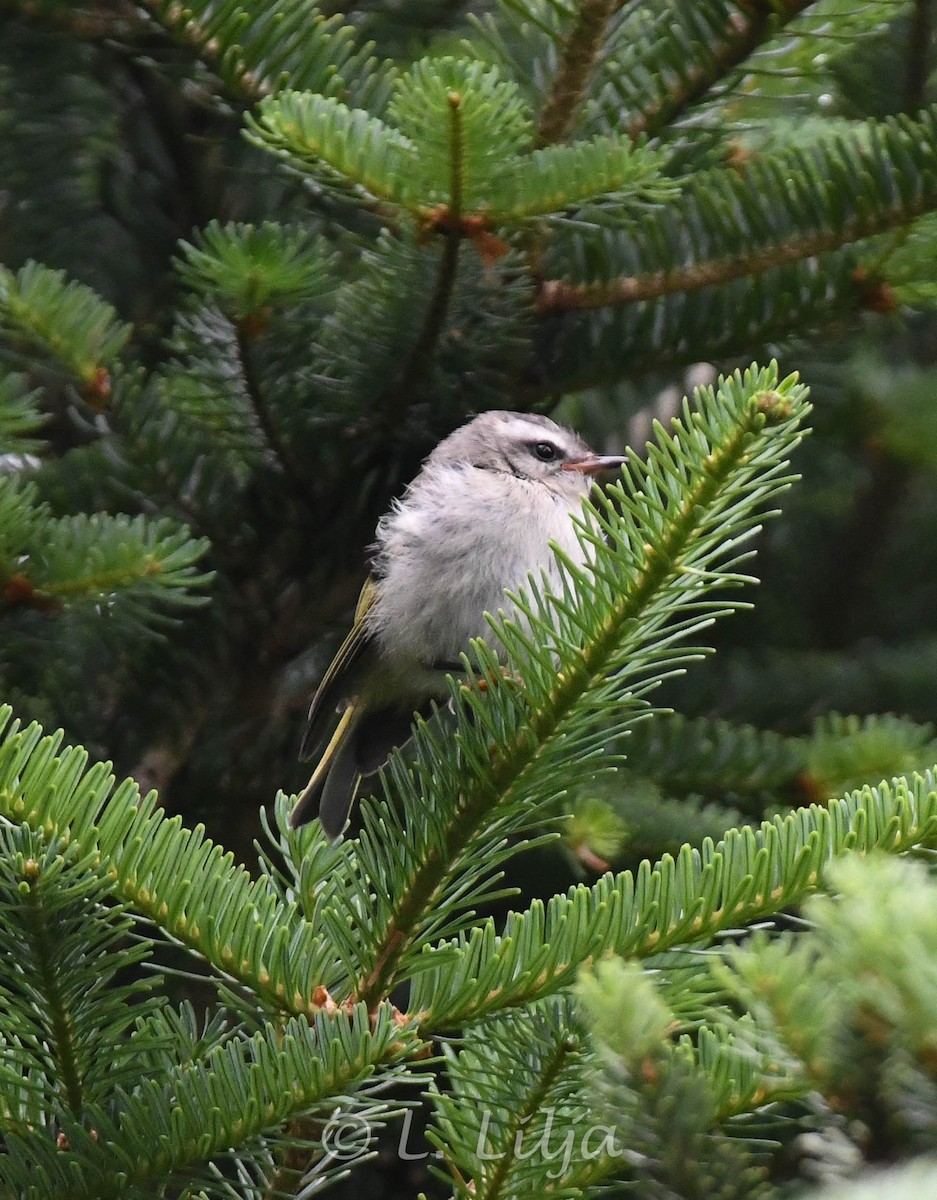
{"x":528,"y":446}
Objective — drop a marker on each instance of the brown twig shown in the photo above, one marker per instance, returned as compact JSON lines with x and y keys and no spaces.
{"x":567,"y":91}
{"x":258,"y":401}
{"x":393,"y":401}
{"x":556,"y":295}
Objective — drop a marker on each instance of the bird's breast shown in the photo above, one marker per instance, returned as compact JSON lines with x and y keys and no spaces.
{"x":447,"y":553}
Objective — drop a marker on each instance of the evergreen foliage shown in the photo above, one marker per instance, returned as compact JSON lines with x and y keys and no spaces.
{"x":255,"y":259}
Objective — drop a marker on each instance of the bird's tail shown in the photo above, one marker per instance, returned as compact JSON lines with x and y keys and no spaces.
{"x":334,"y":782}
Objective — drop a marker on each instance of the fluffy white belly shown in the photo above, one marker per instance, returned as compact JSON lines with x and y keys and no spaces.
{"x":445,"y":558}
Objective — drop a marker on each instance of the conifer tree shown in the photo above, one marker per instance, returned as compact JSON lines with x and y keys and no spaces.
{"x":256,"y":260}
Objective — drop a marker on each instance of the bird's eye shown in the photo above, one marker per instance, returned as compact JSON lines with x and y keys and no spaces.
{"x":545,"y":451}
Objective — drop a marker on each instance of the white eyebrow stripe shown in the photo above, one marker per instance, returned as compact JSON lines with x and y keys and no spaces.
{"x":521,"y":430}
{"x":525,"y":431}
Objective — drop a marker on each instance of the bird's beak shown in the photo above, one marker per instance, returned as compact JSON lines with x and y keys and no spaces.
{"x":593,"y":464}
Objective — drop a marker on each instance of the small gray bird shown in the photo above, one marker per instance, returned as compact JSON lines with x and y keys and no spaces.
{"x":478,"y":518}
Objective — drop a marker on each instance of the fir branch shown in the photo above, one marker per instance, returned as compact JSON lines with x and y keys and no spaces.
{"x":557,"y":295}
{"x":748,"y":876}
{"x":341,"y":146}
{"x":176,"y":877}
{"x":734,"y":225}
{"x":673,"y":1089}
{"x":65,"y":320}
{"x":132,"y":568}
{"x":63,"y":1004}
{"x":393,"y":403}
{"x":249,"y":1086}
{"x":567,"y":90}
{"x":265,"y":418}
{"x":510,"y":1086}
{"x":20,"y":416}
{"x":557,"y":178}
{"x":104,"y":580}
{"x":533,"y":1102}
{"x":454,"y":152}
{"x":195,"y":417}
{"x":61,"y":1021}
{"x":186,"y":28}
{"x":843,"y":753}
{"x":249,"y":270}
{"x":601,"y":347}
{"x":258,"y":50}
{"x":745,"y":29}
{"x":717,"y":759}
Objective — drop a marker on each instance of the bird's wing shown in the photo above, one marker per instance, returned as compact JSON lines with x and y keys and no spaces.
{"x":366,"y":598}
{"x":336,"y":685}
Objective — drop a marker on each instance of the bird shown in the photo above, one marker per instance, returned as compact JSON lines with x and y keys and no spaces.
{"x":477,"y":519}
